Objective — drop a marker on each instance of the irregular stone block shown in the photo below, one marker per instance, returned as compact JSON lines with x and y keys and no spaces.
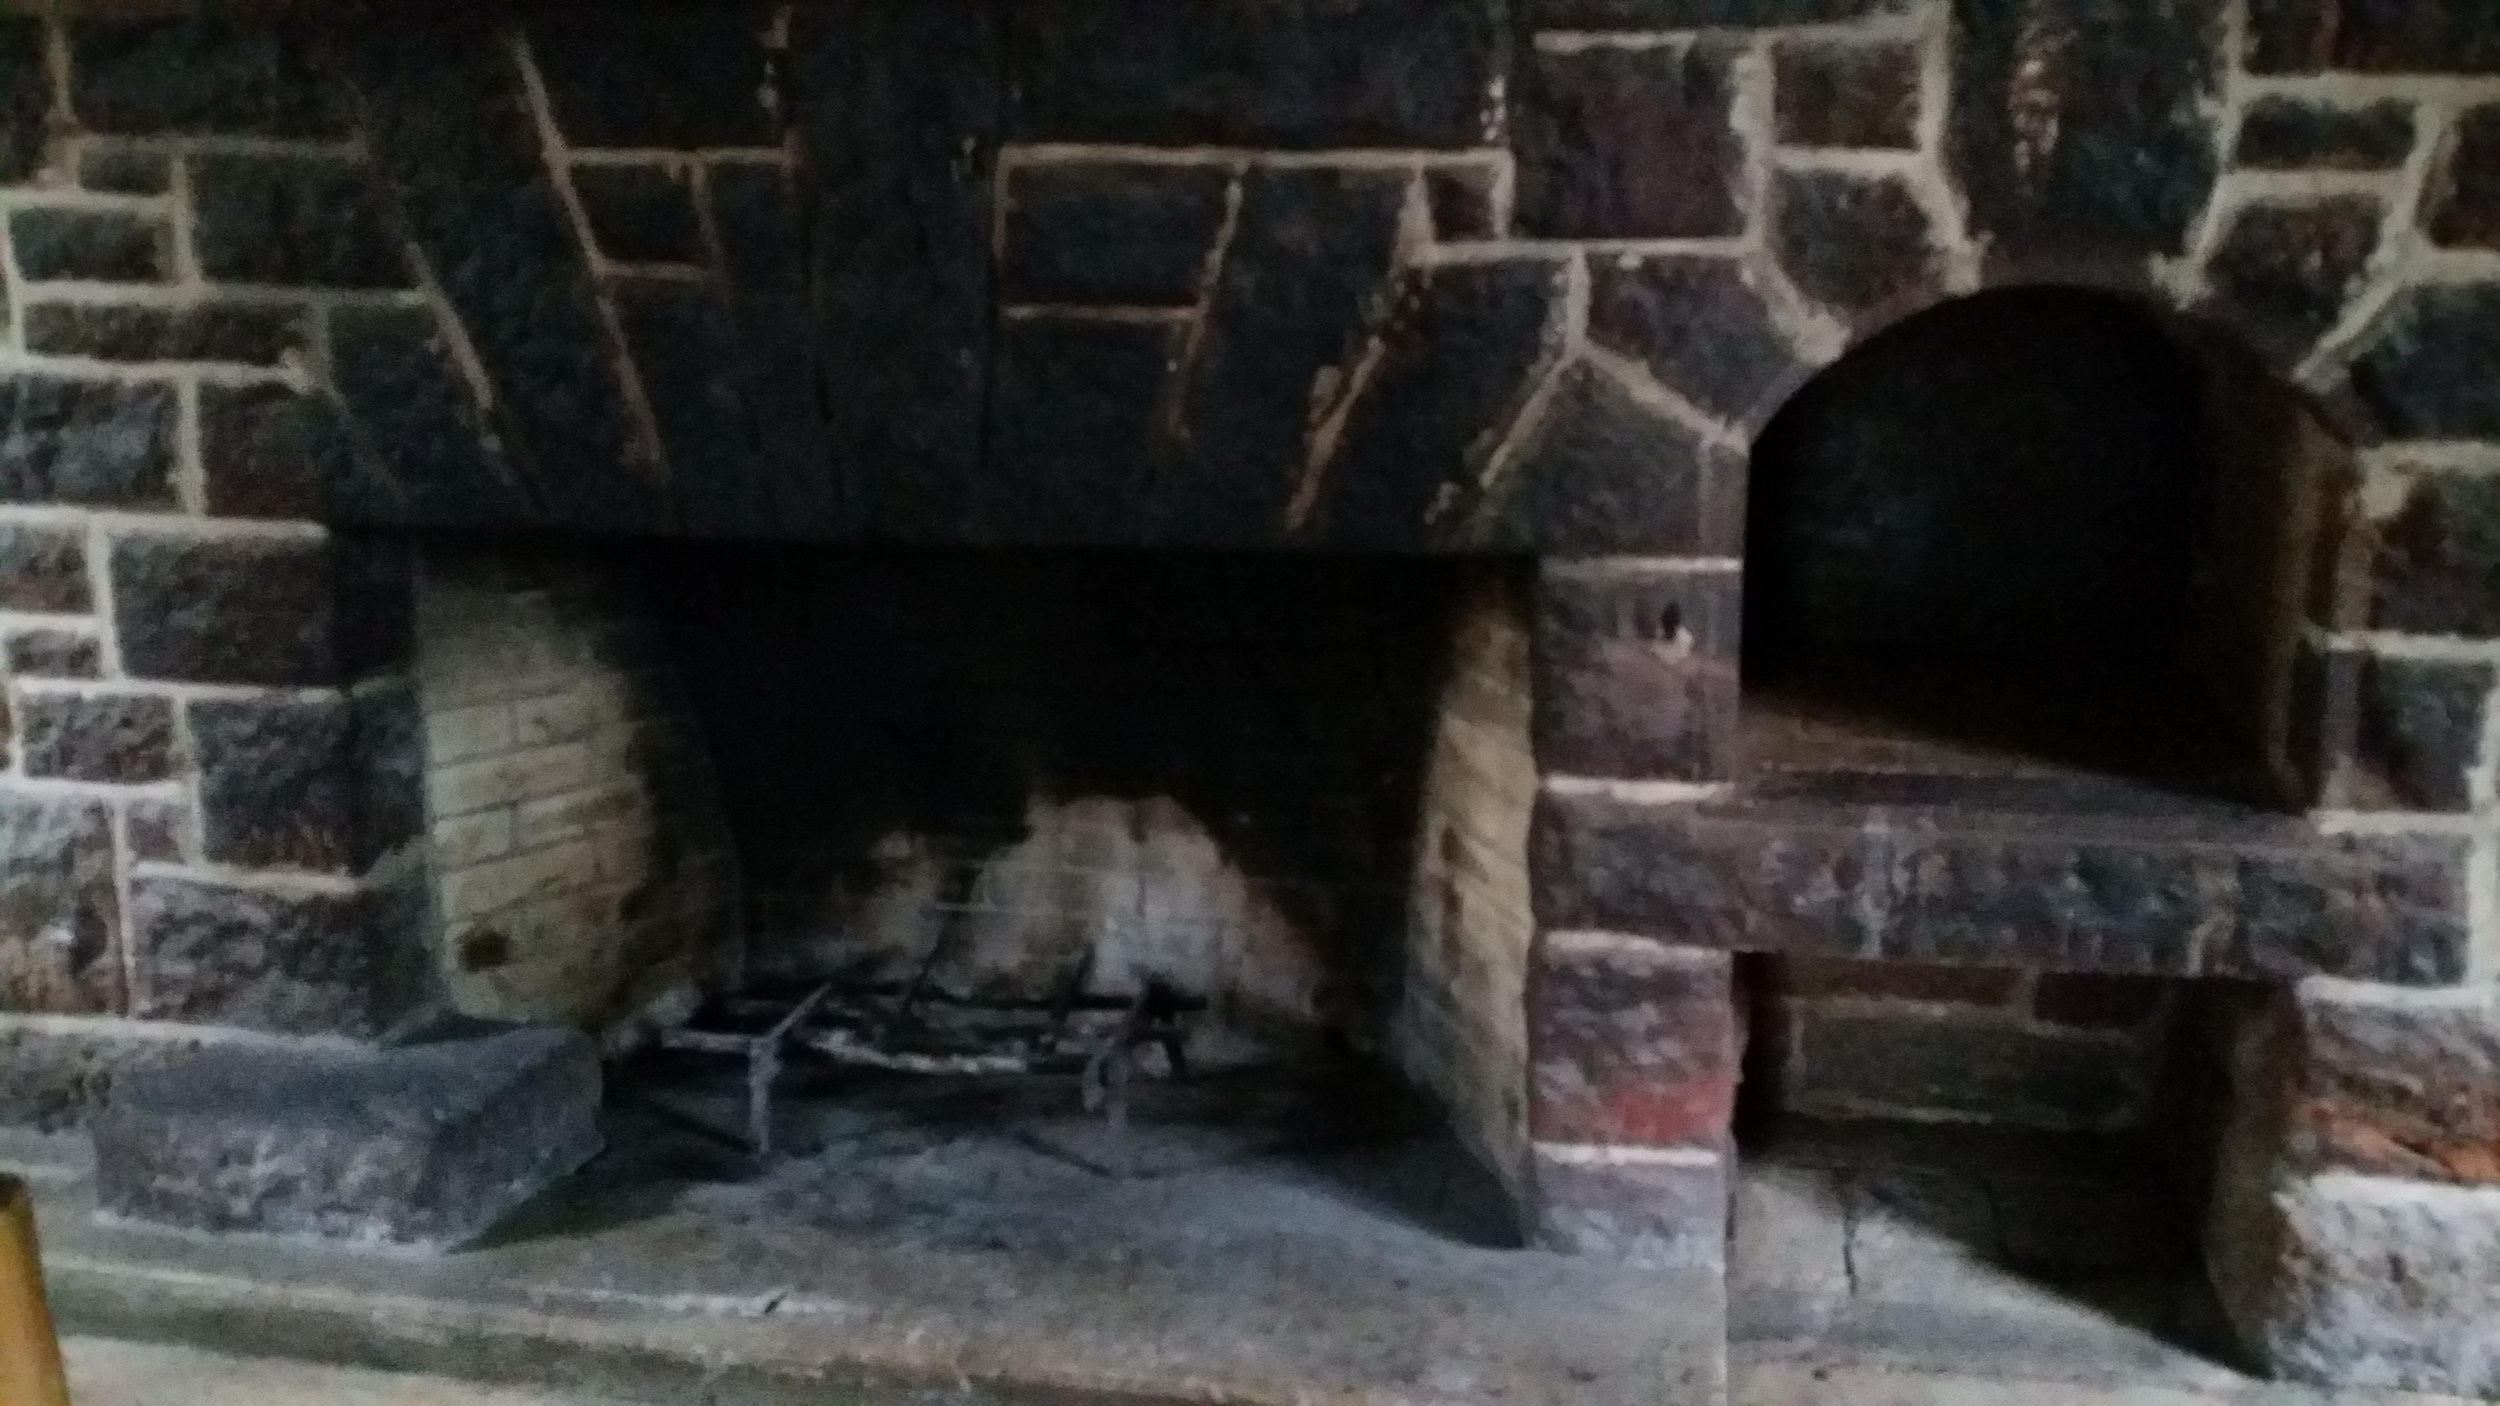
{"x":1603,"y":472}
{"x":2437,"y":567}
{"x":640,"y":213}
{"x":2397,"y":1090}
{"x":2067,"y":141}
{"x":25,"y":96}
{"x":2372,"y":36}
{"x":2370,"y":907}
{"x":2287,"y":271}
{"x":1630,"y":1043}
{"x":2353,"y":1281}
{"x":443,"y":113}
{"x":276,"y":782}
{"x":1701,"y":326}
{"x":1349,"y":73}
{"x":427,"y":1144}
{"x":1108,"y":233}
{"x":159,"y":830}
{"x":1862,"y":245}
{"x":1073,"y":410}
{"x":2295,"y":134}
{"x":1666,"y":1209}
{"x":55,"y":654}
{"x":272,"y":452}
{"x":60,"y":919}
{"x":43,"y":568}
{"x":891,"y":98}
{"x":1629,"y":143}
{"x":247,"y":333}
{"x":2421,"y":727}
{"x":201,"y":74}
{"x":437,"y":466}
{"x":247,"y":610}
{"x":110,"y":246}
{"x":1463,"y":347}
{"x":1310,"y":263}
{"x":2465,"y":208}
{"x":1466,"y":202}
{"x":100,"y":443}
{"x":1847,"y":95}
{"x":657,"y":76}
{"x":122,"y":171}
{"x":1636,"y":677}
{"x":290,"y":219}
{"x":96,"y":737}
{"x":2426,"y":368}
{"x":308,"y":959}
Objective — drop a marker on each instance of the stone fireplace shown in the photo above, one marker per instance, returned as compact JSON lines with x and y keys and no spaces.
{"x":1925,"y":558}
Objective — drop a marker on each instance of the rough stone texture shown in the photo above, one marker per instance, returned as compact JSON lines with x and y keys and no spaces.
{"x":1309,"y":261}
{"x":1861,"y":245}
{"x":206,"y":73}
{"x":2068,"y":143}
{"x":55,"y":654}
{"x":286,"y":219}
{"x":1124,"y":235}
{"x":2426,"y":368}
{"x":2292,"y":134}
{"x":657,"y":76}
{"x":275,"y":782}
{"x":296,"y":960}
{"x":1466,"y":203}
{"x":2398,"y":1091}
{"x":1693,"y":14}
{"x":2199,"y":895}
{"x":2372,"y":36}
{"x":2361,"y":1281}
{"x":639,"y":213}
{"x":253,"y":334}
{"x":1636,"y":677}
{"x":1642,"y":1209}
{"x":110,"y":246}
{"x":2421,"y":728}
{"x":25,"y":96}
{"x":1347,"y":73}
{"x":226,"y":609}
{"x":2465,"y":204}
{"x":414,"y":413}
{"x":1603,"y":472}
{"x":99,"y":443}
{"x":2437,"y":567}
{"x":272,"y":452}
{"x":1630,"y":1043}
{"x":96,"y":736}
{"x":1073,"y":409}
{"x":60,"y":921}
{"x":2288,"y":270}
{"x":1847,"y":95}
{"x":447,"y":124}
{"x":1629,"y":143}
{"x":123,"y":171}
{"x":1700,"y":325}
{"x":43,"y":568}
{"x":1879,"y":1062}
{"x":426,"y":1144}
{"x":1464,"y":344}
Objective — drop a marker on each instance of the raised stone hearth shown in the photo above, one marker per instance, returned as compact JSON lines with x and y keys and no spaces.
{"x":1628,"y":568}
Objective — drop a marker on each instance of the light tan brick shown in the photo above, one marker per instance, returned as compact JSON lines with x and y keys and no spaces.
{"x":575,"y":812}
{"x":469,"y":839}
{"x":554,"y":717}
{"x":457,"y":734}
{"x":483,"y":888}
{"x":506,"y":780}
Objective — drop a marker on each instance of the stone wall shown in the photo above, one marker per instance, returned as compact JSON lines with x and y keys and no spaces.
{"x":582,"y":869}
{"x":1462,"y":1020}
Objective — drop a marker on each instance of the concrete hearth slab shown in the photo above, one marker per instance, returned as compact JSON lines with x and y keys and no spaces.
{"x":636,"y":1281}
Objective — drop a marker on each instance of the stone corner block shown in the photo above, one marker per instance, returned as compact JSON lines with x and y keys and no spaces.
{"x":1663,"y":1210}
{"x":428,"y":1144}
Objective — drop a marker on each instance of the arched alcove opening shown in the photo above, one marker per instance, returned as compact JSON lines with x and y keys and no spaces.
{"x":2036,"y":529}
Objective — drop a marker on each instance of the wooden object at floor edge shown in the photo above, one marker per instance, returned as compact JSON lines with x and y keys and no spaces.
{"x":30,"y":1352}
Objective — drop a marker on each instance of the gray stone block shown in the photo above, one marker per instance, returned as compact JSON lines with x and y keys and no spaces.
{"x":427,"y":1144}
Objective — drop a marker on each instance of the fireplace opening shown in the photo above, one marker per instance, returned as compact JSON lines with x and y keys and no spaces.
{"x":2033,"y":530}
{"x":1092,"y":879}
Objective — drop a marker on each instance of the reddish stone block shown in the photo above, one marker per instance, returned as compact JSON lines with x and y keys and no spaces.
{"x":2403,"y":1091}
{"x":1636,"y":676}
{"x":1630,"y":1043}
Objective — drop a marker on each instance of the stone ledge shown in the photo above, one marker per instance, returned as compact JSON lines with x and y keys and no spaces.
{"x":2199,"y":892}
{"x":427,"y":1144}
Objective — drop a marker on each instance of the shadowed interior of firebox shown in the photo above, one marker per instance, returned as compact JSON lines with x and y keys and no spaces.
{"x":1048,"y":872}
{"x":2035,"y":532}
